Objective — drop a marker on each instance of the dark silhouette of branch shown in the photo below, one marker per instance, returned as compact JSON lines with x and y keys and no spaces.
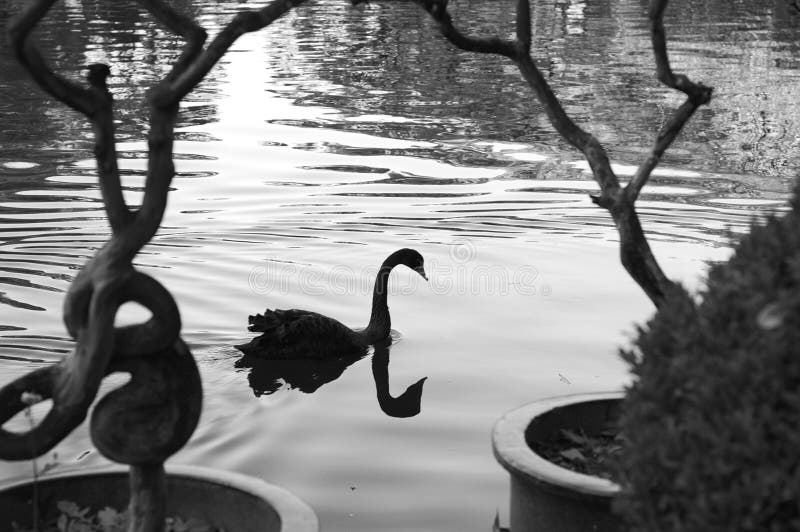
{"x":483,"y":45}
{"x":190,"y":69}
{"x":93,"y":101}
{"x":635,"y":253}
{"x":697,"y":95}
{"x":524,"y":26}
{"x":184,"y":26}
{"x":68,"y":92}
{"x":194,"y":72}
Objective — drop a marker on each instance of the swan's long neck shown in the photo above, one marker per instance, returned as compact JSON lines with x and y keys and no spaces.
{"x":379,"y":321}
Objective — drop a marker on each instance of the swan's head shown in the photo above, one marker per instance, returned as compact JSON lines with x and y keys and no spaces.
{"x":410,"y":258}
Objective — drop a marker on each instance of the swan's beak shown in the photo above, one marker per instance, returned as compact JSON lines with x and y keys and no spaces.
{"x":420,"y":270}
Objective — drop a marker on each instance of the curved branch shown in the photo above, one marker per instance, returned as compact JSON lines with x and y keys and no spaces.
{"x":123,"y":425}
{"x":184,"y":26}
{"x":188,"y":71}
{"x":489,"y":45}
{"x":72,"y":383}
{"x":524,"y":25}
{"x":697,"y":95}
{"x":105,"y":149}
{"x":586,"y":142}
{"x":94,"y":102}
{"x":160,"y":171}
{"x":518,"y":51}
{"x":244,"y":22}
{"x":50,"y":431}
{"x":157,"y":333}
{"x":60,"y":88}
{"x":635,"y":253}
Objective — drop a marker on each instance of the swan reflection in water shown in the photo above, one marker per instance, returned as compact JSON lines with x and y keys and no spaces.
{"x":269,"y":375}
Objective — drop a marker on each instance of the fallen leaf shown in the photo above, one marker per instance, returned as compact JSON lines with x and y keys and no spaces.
{"x":69,"y":508}
{"x":574,"y":437}
{"x":573,"y":455}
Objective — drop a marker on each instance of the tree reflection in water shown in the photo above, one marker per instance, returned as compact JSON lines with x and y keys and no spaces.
{"x":308,"y":375}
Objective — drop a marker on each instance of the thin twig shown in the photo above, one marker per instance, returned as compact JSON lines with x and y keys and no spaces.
{"x":524,"y":26}
{"x":105,"y":150}
{"x":94,"y":102}
{"x":64,"y":90}
{"x":483,"y":45}
{"x":697,"y":95}
{"x":184,"y":26}
{"x":194,"y":72}
{"x":189,"y":70}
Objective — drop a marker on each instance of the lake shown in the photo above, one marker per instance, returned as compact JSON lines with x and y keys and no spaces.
{"x":338,"y":135}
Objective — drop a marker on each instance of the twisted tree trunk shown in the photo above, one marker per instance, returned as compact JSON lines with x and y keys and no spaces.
{"x":154,"y":414}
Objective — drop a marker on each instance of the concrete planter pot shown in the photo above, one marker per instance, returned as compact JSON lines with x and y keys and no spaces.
{"x":229,"y":501}
{"x":544,"y":496}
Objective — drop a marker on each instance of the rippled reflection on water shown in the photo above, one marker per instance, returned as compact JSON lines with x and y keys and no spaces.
{"x":342,"y":134}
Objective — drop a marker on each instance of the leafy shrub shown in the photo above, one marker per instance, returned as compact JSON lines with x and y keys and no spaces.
{"x":711,"y":423}
{"x":73,"y":518}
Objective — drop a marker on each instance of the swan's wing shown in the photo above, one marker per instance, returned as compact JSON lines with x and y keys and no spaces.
{"x":312,"y":330}
{"x":299,"y":334}
{"x":272,"y":319}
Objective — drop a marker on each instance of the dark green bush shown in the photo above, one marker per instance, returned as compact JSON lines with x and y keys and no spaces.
{"x":711,"y":422}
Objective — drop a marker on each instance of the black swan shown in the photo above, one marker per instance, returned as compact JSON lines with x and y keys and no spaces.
{"x":289,"y":334}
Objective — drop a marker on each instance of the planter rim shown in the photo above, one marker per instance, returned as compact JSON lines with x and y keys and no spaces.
{"x":512,"y":451}
{"x":295,"y":514}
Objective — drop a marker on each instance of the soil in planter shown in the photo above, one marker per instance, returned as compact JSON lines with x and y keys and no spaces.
{"x":73,"y":518}
{"x":588,"y":454}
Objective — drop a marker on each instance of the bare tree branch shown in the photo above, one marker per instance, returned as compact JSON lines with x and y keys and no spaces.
{"x":19,"y":28}
{"x":697,"y":95}
{"x":244,"y":22}
{"x":189,"y":70}
{"x":95,"y":102}
{"x":586,"y":142}
{"x":154,"y":414}
{"x":524,"y":26}
{"x":105,"y":150}
{"x":518,"y":52}
{"x":635,"y":253}
{"x":160,"y":171}
{"x":490,"y":45}
{"x":184,"y":26}
{"x":50,"y":431}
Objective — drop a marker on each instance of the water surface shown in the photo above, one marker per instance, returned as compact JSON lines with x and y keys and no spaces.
{"x":339,"y":135}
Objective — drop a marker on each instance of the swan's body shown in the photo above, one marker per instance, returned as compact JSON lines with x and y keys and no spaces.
{"x":304,"y":334}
